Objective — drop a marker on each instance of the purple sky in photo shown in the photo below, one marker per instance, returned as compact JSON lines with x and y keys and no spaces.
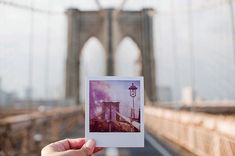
{"x":113,"y":91}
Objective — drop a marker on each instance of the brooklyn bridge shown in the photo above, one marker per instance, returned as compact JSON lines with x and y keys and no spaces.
{"x":184,"y":49}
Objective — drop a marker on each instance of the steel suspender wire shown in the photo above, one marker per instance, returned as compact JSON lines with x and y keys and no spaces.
{"x":31,"y":57}
{"x":28,"y":8}
{"x":175,"y":53}
{"x":98,"y":4}
{"x":184,"y":10}
{"x":47,"y":56}
{"x":155,"y":42}
{"x":122,"y":4}
{"x":191,"y":50}
{"x":231,"y":10}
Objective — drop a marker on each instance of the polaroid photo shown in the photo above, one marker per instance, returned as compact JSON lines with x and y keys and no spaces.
{"x":114,"y":111}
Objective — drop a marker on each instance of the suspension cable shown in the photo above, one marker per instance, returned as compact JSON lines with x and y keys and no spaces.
{"x":202,"y":7}
{"x":28,"y":8}
{"x":191,"y":49}
{"x":98,"y":4}
{"x":233,"y":26}
{"x":175,"y":52}
{"x":31,"y":56}
{"x":121,"y":6}
{"x":47,"y":56}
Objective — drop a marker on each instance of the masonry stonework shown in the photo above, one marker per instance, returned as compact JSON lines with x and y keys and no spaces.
{"x":110,"y":26}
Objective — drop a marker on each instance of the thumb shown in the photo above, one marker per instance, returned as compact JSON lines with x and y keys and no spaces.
{"x":88,"y":148}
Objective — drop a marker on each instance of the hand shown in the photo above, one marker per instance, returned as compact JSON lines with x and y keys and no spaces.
{"x":71,"y":147}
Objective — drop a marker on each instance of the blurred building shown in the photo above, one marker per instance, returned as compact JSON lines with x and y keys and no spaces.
{"x":188,"y":95}
{"x":164,"y":93}
{"x":7,"y":98}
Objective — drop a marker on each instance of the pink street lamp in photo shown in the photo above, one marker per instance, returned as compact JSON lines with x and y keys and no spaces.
{"x":133,"y":89}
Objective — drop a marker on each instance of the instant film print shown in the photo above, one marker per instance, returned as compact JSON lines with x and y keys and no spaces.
{"x":114,"y":111}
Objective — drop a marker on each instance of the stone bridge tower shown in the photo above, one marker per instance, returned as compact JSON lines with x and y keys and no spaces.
{"x":110,"y":26}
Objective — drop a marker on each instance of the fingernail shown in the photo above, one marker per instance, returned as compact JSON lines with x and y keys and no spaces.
{"x":90,"y":144}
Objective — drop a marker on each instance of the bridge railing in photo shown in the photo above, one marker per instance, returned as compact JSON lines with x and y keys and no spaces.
{"x":128,"y":120}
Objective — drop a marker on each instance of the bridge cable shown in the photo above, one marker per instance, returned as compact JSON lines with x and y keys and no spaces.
{"x":191,"y":50}
{"x":122,"y":4}
{"x":231,"y":10}
{"x":31,"y":56}
{"x":202,"y":7}
{"x":175,"y":54}
{"x":47,"y":55}
{"x":29,"y":8}
{"x":99,"y":4}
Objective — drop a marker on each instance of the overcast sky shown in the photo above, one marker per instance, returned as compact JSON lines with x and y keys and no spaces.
{"x":214,"y":58}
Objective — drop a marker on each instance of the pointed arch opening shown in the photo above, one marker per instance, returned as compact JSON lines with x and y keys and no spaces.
{"x":92,"y":63}
{"x":128,"y":59}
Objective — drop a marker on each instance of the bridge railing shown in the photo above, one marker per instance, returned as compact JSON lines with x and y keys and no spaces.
{"x":132,"y":123}
{"x":28,"y":133}
{"x":202,"y":134}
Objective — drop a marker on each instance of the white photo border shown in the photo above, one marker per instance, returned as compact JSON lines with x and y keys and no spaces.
{"x":115,"y":139}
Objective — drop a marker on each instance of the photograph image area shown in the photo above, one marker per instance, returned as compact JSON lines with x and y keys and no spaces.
{"x":114,"y":106}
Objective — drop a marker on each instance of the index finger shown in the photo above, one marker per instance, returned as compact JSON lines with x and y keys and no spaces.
{"x":71,"y":143}
{"x":97,"y":149}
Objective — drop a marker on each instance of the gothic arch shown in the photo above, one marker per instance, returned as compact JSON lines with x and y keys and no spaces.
{"x":132,"y":38}
{"x":87,"y":41}
{"x":110,"y":27}
{"x":92,"y":47}
{"x":136,"y":56}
